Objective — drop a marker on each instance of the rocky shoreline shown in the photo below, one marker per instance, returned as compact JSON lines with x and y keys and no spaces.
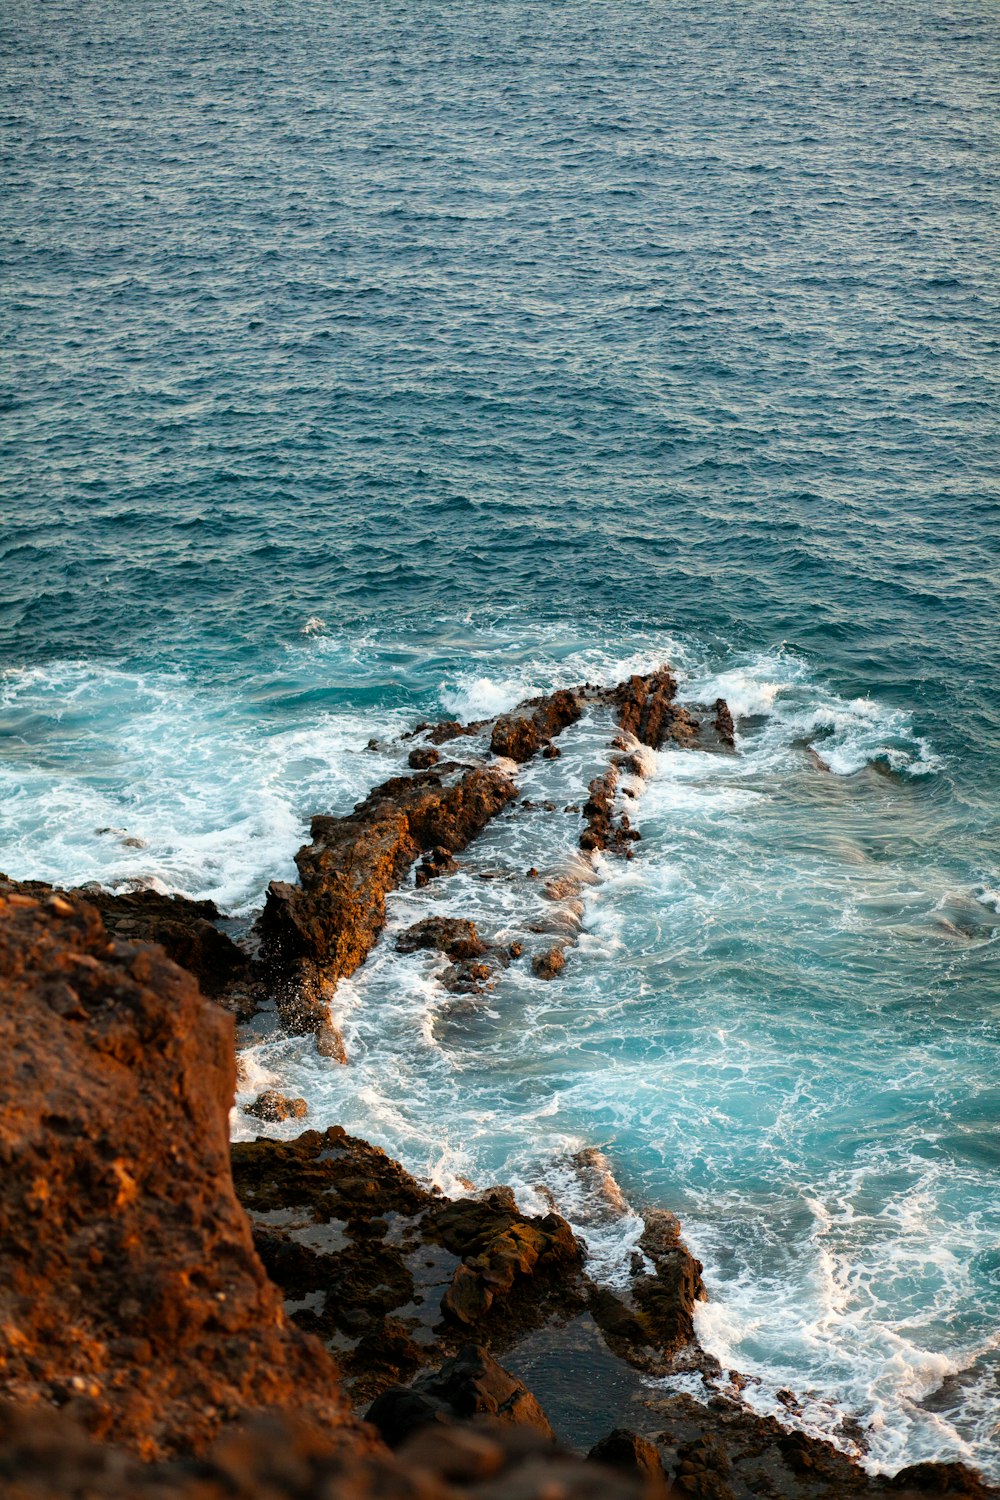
{"x":302,"y":1317}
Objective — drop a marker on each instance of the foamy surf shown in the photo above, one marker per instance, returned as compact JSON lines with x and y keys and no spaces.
{"x":737,"y":1008}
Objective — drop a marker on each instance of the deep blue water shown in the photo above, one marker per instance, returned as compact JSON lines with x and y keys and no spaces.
{"x":369,"y":361}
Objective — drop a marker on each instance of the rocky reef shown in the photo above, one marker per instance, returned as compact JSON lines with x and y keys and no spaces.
{"x":302,"y":1319}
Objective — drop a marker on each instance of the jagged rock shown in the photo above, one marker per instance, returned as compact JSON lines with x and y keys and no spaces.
{"x":630,"y":1454}
{"x":645,"y":709}
{"x":598,"y":811}
{"x":185,"y":928}
{"x":723,"y":722}
{"x":472,"y":1384}
{"x":548,"y":964}
{"x":275,"y":1107}
{"x":435,"y":863}
{"x":131,"y":1292}
{"x":667,"y":1299}
{"x":493,"y":1270}
{"x":423,"y":758}
{"x":439,"y":734}
{"x":454,"y":936}
{"x":519,"y":735}
{"x":318,"y":932}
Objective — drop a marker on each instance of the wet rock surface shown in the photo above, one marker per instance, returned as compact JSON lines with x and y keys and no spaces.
{"x":471,"y":1384}
{"x":317,"y":932}
{"x":391,"y":1274}
{"x":275,"y":1107}
{"x":521,"y":734}
{"x":131,"y":1292}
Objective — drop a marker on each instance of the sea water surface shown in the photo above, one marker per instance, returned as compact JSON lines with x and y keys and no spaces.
{"x":378,"y":361}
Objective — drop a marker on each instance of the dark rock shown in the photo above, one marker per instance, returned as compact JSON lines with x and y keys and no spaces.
{"x":470,"y":1385}
{"x":318,"y":932}
{"x":723,"y":722}
{"x":548,"y":964}
{"x":454,"y":936}
{"x":645,"y":709}
{"x":435,"y":863}
{"x":493,"y":1272}
{"x":131,"y":1291}
{"x":598,"y":811}
{"x":630,"y":1454}
{"x":473,"y":1384}
{"x":275,"y":1107}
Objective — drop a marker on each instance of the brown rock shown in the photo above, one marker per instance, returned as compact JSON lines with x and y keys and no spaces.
{"x":131,"y":1290}
{"x":548,"y":964}
{"x":630,"y":1454}
{"x":645,"y":709}
{"x":520,"y":735}
{"x":275,"y":1107}
{"x":454,"y":936}
{"x":317,"y":932}
{"x":423,"y":758}
{"x":723,"y":722}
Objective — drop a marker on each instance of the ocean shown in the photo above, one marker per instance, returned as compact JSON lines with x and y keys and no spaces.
{"x":376,"y":362}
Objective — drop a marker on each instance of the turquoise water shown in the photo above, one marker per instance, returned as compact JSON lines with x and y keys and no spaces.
{"x":375,"y":361}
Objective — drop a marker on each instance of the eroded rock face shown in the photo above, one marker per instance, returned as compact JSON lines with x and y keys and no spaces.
{"x":319,"y":931}
{"x":520,"y":735}
{"x":131,"y":1293}
{"x":645,"y":709}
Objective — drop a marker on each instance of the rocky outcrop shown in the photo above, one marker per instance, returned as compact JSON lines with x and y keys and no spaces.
{"x":393,"y":1274}
{"x":131,"y":1293}
{"x":472,"y":1384}
{"x":520,"y":735}
{"x":317,"y":932}
{"x":186,"y":929}
{"x":645,"y":708}
{"x":454,"y":936}
{"x":549,"y":964}
{"x":723,"y":723}
{"x":275,"y":1107}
